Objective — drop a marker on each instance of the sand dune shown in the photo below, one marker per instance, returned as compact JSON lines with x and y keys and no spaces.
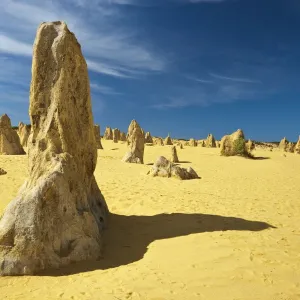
{"x":233,"y":234}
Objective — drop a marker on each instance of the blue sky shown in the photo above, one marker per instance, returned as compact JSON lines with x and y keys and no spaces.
{"x":184,"y":67}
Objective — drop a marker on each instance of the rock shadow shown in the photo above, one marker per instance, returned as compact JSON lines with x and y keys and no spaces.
{"x":128,"y":237}
{"x":259,"y":157}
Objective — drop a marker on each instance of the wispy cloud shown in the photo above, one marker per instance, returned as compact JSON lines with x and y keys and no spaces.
{"x":103,"y":89}
{"x":236,"y":79}
{"x":108,"y":42}
{"x":161,"y":3}
{"x":198,"y":79}
{"x":211,"y":94}
{"x":11,"y":46}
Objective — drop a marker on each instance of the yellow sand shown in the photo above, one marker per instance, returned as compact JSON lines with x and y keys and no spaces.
{"x":165,"y":239}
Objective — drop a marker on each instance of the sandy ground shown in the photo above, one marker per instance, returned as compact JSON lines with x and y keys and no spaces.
{"x":234,"y":234}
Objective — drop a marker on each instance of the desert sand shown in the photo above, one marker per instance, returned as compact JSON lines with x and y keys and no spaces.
{"x":233,"y":234}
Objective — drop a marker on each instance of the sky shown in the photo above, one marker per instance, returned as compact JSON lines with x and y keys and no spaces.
{"x":183,"y":67}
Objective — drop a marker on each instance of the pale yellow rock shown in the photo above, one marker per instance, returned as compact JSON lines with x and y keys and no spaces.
{"x":193,"y":143}
{"x":59,"y":213}
{"x":290,"y":147}
{"x":148,"y":137}
{"x":210,"y":141}
{"x":9,"y":140}
{"x":168,"y":140}
{"x":23,"y":132}
{"x":123,"y":137}
{"x":283,"y":145}
{"x":158,"y":141}
{"x":136,"y":142}
{"x":297,"y":147}
{"x":108,"y":134}
{"x":250,"y":145}
{"x":97,"y":136}
{"x":234,"y":144}
{"x":202,"y":143}
{"x":116,"y":135}
{"x":174,"y":156}
{"x":165,"y":168}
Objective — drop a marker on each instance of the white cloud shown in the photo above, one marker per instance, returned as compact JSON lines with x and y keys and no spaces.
{"x":161,"y":2}
{"x":11,"y":46}
{"x":236,"y":79}
{"x":199,"y":80}
{"x":103,"y":89}
{"x":212,"y":94}
{"x":100,"y":28}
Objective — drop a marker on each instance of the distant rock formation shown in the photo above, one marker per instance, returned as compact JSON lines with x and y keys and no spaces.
{"x":2,"y":172}
{"x":108,"y":134}
{"x":136,"y":139}
{"x":148,"y":138}
{"x":297,"y":147}
{"x":193,"y":143}
{"x":24,"y":132}
{"x":210,"y":141}
{"x":217,"y":144}
{"x":116,"y":135}
{"x":290,"y":147}
{"x":158,"y":141}
{"x":174,"y":157}
{"x":201,"y":143}
{"x":283,"y":144}
{"x":168,"y":140}
{"x":59,"y":214}
{"x":250,"y":145}
{"x":234,"y":144}
{"x":97,"y":136}
{"x":9,"y":140}
{"x":165,"y":168}
{"x":122,"y":136}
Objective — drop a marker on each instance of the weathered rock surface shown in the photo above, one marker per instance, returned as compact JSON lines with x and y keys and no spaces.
{"x":116,"y":135}
{"x":2,"y":172}
{"x":158,"y":141}
{"x":24,"y":132}
{"x":201,"y":143}
{"x":210,"y":141}
{"x":283,"y":145}
{"x":250,"y":145}
{"x":297,"y":147}
{"x":122,"y":136}
{"x":234,"y":144}
{"x":290,"y":147}
{"x":168,"y":140}
{"x":136,"y":141}
{"x":193,"y":143}
{"x":165,"y":168}
{"x":9,"y":140}
{"x":59,"y":213}
{"x":97,"y":136}
{"x":108,"y":134}
{"x":148,"y":138}
{"x":174,"y":156}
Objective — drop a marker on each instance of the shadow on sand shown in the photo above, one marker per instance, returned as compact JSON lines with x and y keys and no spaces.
{"x":260,"y":157}
{"x":128,"y":237}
